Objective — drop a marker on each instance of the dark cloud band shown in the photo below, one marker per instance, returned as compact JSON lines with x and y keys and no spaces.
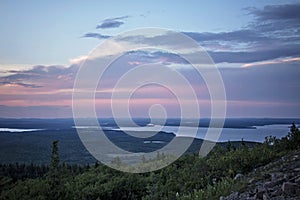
{"x":112,"y":22}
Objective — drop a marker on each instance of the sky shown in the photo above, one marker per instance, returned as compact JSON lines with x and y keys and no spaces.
{"x":255,"y":46}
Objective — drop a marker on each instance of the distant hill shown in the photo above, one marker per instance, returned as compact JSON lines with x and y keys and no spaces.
{"x":35,"y":147}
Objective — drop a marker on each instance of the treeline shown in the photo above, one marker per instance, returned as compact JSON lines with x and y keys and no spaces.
{"x":190,"y":177}
{"x":16,"y":171}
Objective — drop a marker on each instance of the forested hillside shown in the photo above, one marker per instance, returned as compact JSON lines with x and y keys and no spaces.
{"x":190,"y":177}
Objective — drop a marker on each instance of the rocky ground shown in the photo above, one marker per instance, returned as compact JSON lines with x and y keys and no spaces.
{"x":278,"y":180}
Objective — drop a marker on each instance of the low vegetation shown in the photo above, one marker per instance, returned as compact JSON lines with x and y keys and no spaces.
{"x":190,"y":177}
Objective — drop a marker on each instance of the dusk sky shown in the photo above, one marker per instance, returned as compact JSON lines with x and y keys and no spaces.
{"x":254,"y":44}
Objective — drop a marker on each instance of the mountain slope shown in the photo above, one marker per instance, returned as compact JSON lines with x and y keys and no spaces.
{"x":277,"y":180}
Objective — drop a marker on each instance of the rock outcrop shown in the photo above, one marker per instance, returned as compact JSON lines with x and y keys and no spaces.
{"x":279,"y":180}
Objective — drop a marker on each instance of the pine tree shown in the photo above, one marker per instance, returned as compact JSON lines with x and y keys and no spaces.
{"x":294,"y":136}
{"x":54,"y":158}
{"x":53,"y":177}
{"x":228,"y":146}
{"x":243,"y":142}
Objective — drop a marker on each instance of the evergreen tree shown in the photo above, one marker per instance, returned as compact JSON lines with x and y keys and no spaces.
{"x":243,"y":142}
{"x":53,"y":177}
{"x":54,"y":158}
{"x":228,"y":146}
{"x":294,"y":136}
{"x":96,"y":164}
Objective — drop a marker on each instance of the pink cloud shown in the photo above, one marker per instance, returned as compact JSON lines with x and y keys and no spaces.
{"x":270,"y":62}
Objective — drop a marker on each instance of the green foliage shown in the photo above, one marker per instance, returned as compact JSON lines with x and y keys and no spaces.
{"x":18,"y":171}
{"x":28,"y":189}
{"x":54,"y":178}
{"x":190,"y":177}
{"x":54,"y":158}
{"x":222,"y":188}
{"x":294,"y":137}
{"x":241,"y":160}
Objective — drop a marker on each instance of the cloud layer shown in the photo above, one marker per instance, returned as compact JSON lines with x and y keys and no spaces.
{"x":274,"y":33}
{"x":112,"y":22}
{"x":95,"y":35}
{"x":266,"y":84}
{"x":262,"y":90}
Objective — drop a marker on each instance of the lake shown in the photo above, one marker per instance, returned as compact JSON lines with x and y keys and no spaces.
{"x":255,"y":133}
{"x":29,"y":140}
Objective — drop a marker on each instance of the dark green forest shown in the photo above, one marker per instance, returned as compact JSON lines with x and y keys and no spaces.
{"x":190,"y":177}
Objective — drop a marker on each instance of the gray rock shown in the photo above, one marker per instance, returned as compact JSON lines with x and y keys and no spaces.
{"x":280,"y":198}
{"x":270,"y":184}
{"x":276,"y":176}
{"x":298,"y":192}
{"x":239,"y":177}
{"x":267,"y":176}
{"x":297,"y":169}
{"x":297,"y":164}
{"x":279,"y":180}
{"x":276,"y":193}
{"x":259,"y":195}
{"x":233,"y":196}
{"x":289,"y":188}
{"x":251,"y":181}
{"x":266,"y":197}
